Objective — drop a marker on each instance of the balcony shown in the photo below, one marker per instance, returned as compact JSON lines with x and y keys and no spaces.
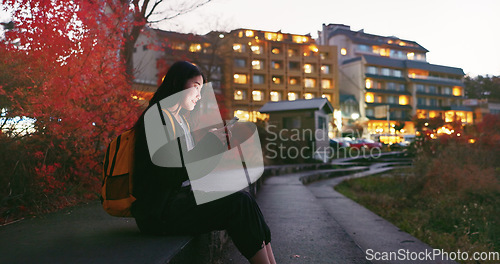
{"x":435,"y":79}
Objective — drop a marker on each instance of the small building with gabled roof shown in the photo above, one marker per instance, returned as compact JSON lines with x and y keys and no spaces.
{"x":305,"y":122}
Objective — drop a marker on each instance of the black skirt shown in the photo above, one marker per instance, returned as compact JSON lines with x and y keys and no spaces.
{"x":238,"y":214}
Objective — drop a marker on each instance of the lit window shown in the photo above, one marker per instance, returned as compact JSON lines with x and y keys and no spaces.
{"x":308,"y":96}
{"x":292,"y":52}
{"x":299,"y":39}
{"x":385,"y":52}
{"x":403,"y":100}
{"x":294,"y":81}
{"x":240,"y":78}
{"x":257,"y":65}
{"x":308,"y":68}
{"x":256,"y":49}
{"x":276,"y":65}
{"x":179,"y":46}
{"x":270,"y":36}
{"x":369,"y":98}
{"x":325,"y":69}
{"x":195,"y":47}
{"x":275,"y":96}
{"x":343,"y":51}
{"x":249,"y":33}
{"x":238,"y":48}
{"x":275,"y":50}
{"x":457,"y":91}
{"x":277,"y":79}
{"x":410,"y":55}
{"x":369,"y":83}
{"x":326,"y":84}
{"x":313,"y":48}
{"x":421,"y":114}
{"x":242,"y":115}
{"x":240,"y":95}
{"x":323,"y":55}
{"x":257,"y":96}
{"x":292,"y":96}
{"x":327,"y":96}
{"x":432,"y":114}
{"x":309,"y":82}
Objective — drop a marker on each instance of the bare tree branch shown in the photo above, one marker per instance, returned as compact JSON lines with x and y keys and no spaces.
{"x":181,"y":12}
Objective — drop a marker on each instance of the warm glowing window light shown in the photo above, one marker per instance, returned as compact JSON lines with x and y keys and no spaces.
{"x":239,"y":95}
{"x":457,"y":91}
{"x":275,"y":96}
{"x":293,"y":81}
{"x":299,"y":39}
{"x":369,"y":83}
{"x":326,"y":84}
{"x":257,"y":65}
{"x":369,"y":98}
{"x":308,"y":68}
{"x":313,"y":48}
{"x":309,"y":83}
{"x":257,"y":95}
{"x":249,"y":33}
{"x":242,"y":115}
{"x":276,"y":80}
{"x":240,"y":78}
{"x":308,"y":96}
{"x":256,"y":49}
{"x":292,"y":96}
{"x":325,"y":69}
{"x":275,"y":51}
{"x":237,"y":48}
{"x":195,"y":47}
{"x":410,"y":55}
{"x":403,"y":100}
{"x":343,"y":51}
{"x":327,"y":96}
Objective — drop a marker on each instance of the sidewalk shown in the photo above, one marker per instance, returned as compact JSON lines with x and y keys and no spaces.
{"x":315,"y":224}
{"x":302,"y":230}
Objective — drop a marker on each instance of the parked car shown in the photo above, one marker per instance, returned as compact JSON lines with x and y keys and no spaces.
{"x":337,"y":143}
{"x":365,"y":143}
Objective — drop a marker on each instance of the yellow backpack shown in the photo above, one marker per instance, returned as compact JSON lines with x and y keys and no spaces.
{"x":117,"y":182}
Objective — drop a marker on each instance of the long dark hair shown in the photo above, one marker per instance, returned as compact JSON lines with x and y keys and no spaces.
{"x":173,"y":83}
{"x":175,"y":80}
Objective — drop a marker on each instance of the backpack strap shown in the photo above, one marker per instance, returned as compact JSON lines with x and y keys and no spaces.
{"x":169,"y":115}
{"x":114,"y":156}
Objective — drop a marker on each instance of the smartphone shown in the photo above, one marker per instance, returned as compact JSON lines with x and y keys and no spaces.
{"x":232,"y":121}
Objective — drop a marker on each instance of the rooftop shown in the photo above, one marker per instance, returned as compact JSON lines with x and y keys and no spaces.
{"x":360,"y":37}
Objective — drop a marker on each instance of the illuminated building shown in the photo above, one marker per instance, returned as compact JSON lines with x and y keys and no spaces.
{"x":262,"y":66}
{"x":379,"y":71}
{"x":247,"y":67}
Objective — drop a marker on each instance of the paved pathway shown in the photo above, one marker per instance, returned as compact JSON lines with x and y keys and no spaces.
{"x":316,"y":224}
{"x":302,"y":230}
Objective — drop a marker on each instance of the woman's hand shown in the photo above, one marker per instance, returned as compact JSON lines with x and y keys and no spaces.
{"x":222,"y":134}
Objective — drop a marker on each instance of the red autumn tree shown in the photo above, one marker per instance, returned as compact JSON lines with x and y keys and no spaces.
{"x":60,"y":68}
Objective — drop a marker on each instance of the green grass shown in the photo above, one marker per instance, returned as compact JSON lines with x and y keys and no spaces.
{"x":451,"y":221}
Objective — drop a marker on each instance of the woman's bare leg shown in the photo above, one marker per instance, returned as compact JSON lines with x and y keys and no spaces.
{"x":260,"y":257}
{"x":270,"y":254}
